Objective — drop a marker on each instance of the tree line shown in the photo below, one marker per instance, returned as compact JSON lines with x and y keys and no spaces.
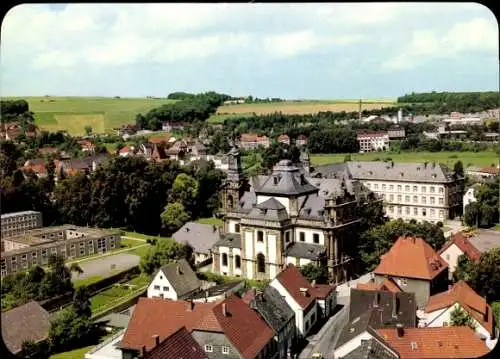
{"x":456,"y":101}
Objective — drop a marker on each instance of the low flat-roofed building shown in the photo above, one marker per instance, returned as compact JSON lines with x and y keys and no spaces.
{"x":35,"y":246}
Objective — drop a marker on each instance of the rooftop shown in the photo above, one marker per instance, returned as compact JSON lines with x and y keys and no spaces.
{"x":180,"y":345}
{"x":299,"y":288}
{"x":16,"y":214}
{"x":201,"y":237}
{"x":217,"y":290}
{"x":463,"y":243}
{"x":181,"y":277}
{"x":411,"y":257}
{"x":305,"y":250}
{"x":388,"y":285}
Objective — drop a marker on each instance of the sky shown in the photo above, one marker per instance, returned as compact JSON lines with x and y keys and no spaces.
{"x":291,"y":51}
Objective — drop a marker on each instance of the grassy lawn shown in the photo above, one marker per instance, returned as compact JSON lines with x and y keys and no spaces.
{"x":74,"y":113}
{"x":485,"y":158}
{"x":74,"y":354}
{"x":497,"y":228}
{"x":221,"y":117}
{"x":141,"y":251}
{"x":87,"y":281}
{"x":212,"y":221}
{"x":128,"y":243}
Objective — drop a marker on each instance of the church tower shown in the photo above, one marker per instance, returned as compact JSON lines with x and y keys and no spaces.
{"x":305,"y":161}
{"x":235,"y":182}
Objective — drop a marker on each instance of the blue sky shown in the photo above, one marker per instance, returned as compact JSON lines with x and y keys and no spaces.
{"x":310,"y":51}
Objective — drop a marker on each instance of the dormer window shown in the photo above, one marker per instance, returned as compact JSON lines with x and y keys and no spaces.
{"x":276,"y":180}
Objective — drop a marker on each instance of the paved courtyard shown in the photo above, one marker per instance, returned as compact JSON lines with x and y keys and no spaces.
{"x":486,"y":239}
{"x":107,"y":266}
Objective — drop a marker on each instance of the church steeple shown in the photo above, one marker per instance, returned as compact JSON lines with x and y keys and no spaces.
{"x":235,"y":182}
{"x":305,"y":161}
{"x":234,"y":170}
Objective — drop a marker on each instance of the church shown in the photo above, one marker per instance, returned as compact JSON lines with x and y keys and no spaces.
{"x":285,"y":217}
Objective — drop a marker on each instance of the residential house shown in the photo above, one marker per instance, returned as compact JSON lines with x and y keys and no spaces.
{"x":178,"y":150}
{"x":249,"y":141}
{"x":174,"y":281}
{"x":434,"y":343}
{"x":470,"y":195}
{"x":86,"y":145}
{"x":274,"y":309}
{"x":86,"y":164}
{"x":483,"y":173}
{"x":458,"y":244}
{"x":201,"y":237}
{"x":485,"y":239}
{"x":173,"y":125}
{"x":126,"y":130}
{"x":463,"y":120}
{"x":283,"y":138}
{"x":326,"y":297}
{"x":126,"y":151}
{"x":301,"y":141}
{"x":421,"y":191}
{"x":372,"y":141}
{"x":226,"y":328}
{"x":25,"y":322}
{"x":16,"y":223}
{"x":387,"y":285}
{"x":159,"y":140}
{"x":151,"y":152}
{"x":396,"y":132}
{"x":438,"y":311}
{"x":36,"y":166}
{"x":300,"y":296}
{"x":415,"y":267}
{"x":179,"y":345}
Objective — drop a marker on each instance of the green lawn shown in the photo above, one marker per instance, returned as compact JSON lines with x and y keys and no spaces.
{"x":213,"y":221}
{"x":74,"y":113}
{"x":73,"y":354}
{"x":497,"y":228}
{"x":141,"y":251}
{"x":485,"y":158}
{"x":221,"y":117}
{"x":128,"y":243}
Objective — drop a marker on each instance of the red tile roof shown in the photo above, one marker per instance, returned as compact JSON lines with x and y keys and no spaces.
{"x":125,"y":149}
{"x":283,"y":137}
{"x":321,"y":291}
{"x":180,"y":345}
{"x":468,"y":299}
{"x":249,"y":137}
{"x":433,"y":343}
{"x":412,"y":258}
{"x":301,"y":138}
{"x":246,"y":330}
{"x":249,"y":296}
{"x":463,"y":243}
{"x":293,"y":281}
{"x":490,"y":170}
{"x":388,"y":284}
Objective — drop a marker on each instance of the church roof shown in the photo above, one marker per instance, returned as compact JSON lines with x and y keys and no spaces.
{"x":269,"y":210}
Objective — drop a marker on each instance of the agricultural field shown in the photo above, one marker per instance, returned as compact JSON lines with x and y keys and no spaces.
{"x":483,"y":159}
{"x":74,"y":113}
{"x":301,"y":107}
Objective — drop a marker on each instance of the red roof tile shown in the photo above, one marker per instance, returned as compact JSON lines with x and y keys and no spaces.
{"x":180,"y":345}
{"x":412,"y":258}
{"x":463,"y":243}
{"x":293,"y":281}
{"x":468,"y":299}
{"x":125,"y":149}
{"x":388,"y":284}
{"x":490,"y":170}
{"x":433,"y":343}
{"x":321,"y":291}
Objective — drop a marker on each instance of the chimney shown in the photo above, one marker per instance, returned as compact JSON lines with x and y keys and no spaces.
{"x":401,"y":330}
{"x":413,"y":240}
{"x":189,"y":305}
{"x":394,"y":306}
{"x":224,"y":309}
{"x":486,"y":312}
{"x":144,"y":350}
{"x":376,"y":300}
{"x":157,"y":339}
{"x":303,"y":291}
{"x":313,"y":283}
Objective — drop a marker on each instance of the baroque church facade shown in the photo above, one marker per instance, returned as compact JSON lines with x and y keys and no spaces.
{"x":285,"y":217}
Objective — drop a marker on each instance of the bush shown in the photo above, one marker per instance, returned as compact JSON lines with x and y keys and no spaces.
{"x":439,"y":224}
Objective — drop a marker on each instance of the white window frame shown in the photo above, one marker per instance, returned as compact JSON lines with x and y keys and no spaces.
{"x":208,"y":348}
{"x":225,"y":350}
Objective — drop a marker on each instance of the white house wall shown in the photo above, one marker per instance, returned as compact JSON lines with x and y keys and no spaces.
{"x":232,"y":226}
{"x":162,"y":281}
{"x":351,"y":345}
{"x":299,"y":323}
{"x":283,"y":200}
{"x":450,"y":255}
{"x":308,"y":233}
{"x":249,"y":253}
{"x":237,"y":271}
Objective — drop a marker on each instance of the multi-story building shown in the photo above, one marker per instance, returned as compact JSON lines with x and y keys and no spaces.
{"x":421,"y":191}
{"x":372,"y":141}
{"x":35,"y":246}
{"x":20,"y":222}
{"x":249,"y":141}
{"x":286,"y":217}
{"x":396,"y":132}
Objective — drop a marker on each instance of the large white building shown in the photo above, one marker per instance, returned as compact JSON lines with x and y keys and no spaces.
{"x":421,"y":191}
{"x":373,"y":141}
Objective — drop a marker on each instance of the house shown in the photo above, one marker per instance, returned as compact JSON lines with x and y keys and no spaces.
{"x":126,"y":151}
{"x":283,"y":138}
{"x":326,"y":297}
{"x":26,"y":322}
{"x":173,"y":125}
{"x":151,"y":152}
{"x":483,"y":173}
{"x":485,"y":239}
{"x":250,"y":141}
{"x":217,"y":292}
{"x":126,"y":130}
{"x":201,"y":237}
{"x":301,"y":141}
{"x":274,"y":309}
{"x":174,"y":281}
{"x":415,"y":267}
{"x":85,"y":164}
{"x":159,"y":140}
{"x":438,"y":311}
{"x":388,"y":285}
{"x":470,"y":194}
{"x":86,"y":145}
{"x":37,"y":166}
{"x":372,"y":141}
{"x":179,"y":345}
{"x":396,"y":132}
{"x":226,"y":327}
{"x":458,"y":244}
{"x":300,"y":296}
{"x":434,"y":343}
{"x":178,"y":150}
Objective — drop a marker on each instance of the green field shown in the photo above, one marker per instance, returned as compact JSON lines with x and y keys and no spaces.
{"x":212,"y":221}
{"x":484,"y":159}
{"x":219,"y":118}
{"x":74,"y":113}
{"x":118,"y":293}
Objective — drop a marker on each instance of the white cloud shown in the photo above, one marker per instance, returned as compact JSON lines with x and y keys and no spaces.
{"x":466,"y":37}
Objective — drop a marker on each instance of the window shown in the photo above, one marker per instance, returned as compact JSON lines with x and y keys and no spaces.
{"x":399,"y":209}
{"x":391,"y":209}
{"x":433,"y":200}
{"x":424,"y":200}
{"x":261,"y":263}
{"x":225,"y":350}
{"x":391,"y":197}
{"x":407,"y":199}
{"x":432,"y":212}
{"x":423,"y":189}
{"x":441,"y":214}
{"x":157,"y":287}
{"x":237,"y":261}
{"x":53,"y":251}
{"x":383,"y":186}
{"x":404,"y":281}
{"x":415,"y":199}
{"x":316,"y":238}
{"x":399,"y":187}
{"x":391,"y":187}
{"x":376,"y":185}
{"x":302,"y":236}
{"x":407,"y":210}
{"x":441,"y":200}
{"x":112,"y":243}
{"x":415,"y":211}
{"x":81,"y":244}
{"x":447,"y":257}
{"x":407,"y":188}
{"x":260,"y":236}
{"x":287,"y":237}
{"x":209,"y":348}
{"x":432,"y":189}
{"x":424,"y":212}
{"x":441,"y":189}
{"x":415,"y":188}
{"x":82,"y":251}
{"x":237,"y":228}
{"x":229,"y":201}
{"x":224,"y":259}
{"x":166,"y":289}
